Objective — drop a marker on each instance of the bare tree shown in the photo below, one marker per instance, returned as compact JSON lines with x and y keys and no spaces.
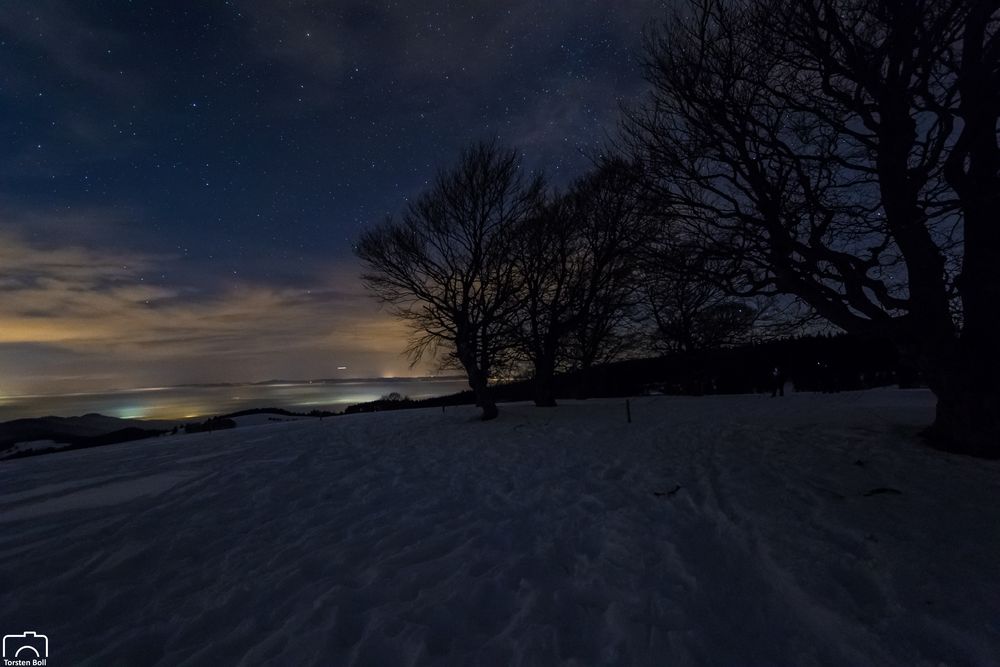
{"x":971,"y":409}
{"x":615,"y":226}
{"x":811,"y":148}
{"x":687,"y":311}
{"x":444,"y":265}
{"x":549,"y":261}
{"x":575,"y":269}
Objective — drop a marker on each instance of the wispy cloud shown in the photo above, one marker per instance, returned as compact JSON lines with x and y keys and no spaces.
{"x":70,"y":42}
{"x":106,"y":320}
{"x":441,"y":55}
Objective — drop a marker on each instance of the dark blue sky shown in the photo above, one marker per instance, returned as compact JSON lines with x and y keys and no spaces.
{"x":183,"y":180}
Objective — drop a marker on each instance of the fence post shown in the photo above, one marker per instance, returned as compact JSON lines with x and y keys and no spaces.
{"x":628,"y":410}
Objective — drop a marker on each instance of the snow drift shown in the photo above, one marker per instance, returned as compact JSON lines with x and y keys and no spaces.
{"x":809,"y":530}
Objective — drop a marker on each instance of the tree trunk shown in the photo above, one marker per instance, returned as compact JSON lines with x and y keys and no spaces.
{"x":544,"y":384}
{"x":584,"y":383}
{"x":484,"y":398}
{"x":962,"y":373}
{"x":968,"y":411}
{"x":967,"y":420}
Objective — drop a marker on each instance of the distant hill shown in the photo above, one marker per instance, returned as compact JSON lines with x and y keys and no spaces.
{"x":43,"y":435}
{"x":60,"y":428}
{"x":90,"y":430}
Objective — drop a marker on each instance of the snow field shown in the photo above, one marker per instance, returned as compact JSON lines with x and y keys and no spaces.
{"x":809,"y":530}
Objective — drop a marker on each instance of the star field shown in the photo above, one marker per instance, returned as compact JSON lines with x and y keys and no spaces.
{"x":221,"y":151}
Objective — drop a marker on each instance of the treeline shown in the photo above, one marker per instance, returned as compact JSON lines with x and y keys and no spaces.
{"x":223,"y":422}
{"x":503,"y":277}
{"x":832,"y":158}
{"x":278,"y":411}
{"x":209,"y":425}
{"x":808,"y":363}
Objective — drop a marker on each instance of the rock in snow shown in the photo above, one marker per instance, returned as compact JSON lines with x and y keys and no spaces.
{"x":710,"y":531}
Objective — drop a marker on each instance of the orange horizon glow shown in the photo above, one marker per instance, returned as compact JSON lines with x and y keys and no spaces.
{"x":79,"y":320}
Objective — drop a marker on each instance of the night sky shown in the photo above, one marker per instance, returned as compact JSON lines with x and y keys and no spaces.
{"x":183,"y":181}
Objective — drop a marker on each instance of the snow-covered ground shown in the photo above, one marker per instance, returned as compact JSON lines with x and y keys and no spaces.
{"x":259,"y":418}
{"x":809,"y":530}
{"x":31,"y":446}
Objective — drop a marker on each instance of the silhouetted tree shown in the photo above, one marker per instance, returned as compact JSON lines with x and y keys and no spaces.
{"x":819,"y":148}
{"x":687,"y":310}
{"x":444,"y":265}
{"x":575,"y":263}
{"x":969,"y":408}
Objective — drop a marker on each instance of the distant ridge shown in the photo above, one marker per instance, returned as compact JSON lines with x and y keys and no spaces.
{"x":89,"y":430}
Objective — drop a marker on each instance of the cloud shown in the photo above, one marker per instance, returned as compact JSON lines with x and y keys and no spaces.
{"x":70,"y":42}
{"x":83,"y":313}
{"x":437,"y":53}
{"x":332,"y":112}
{"x":297,"y":34}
